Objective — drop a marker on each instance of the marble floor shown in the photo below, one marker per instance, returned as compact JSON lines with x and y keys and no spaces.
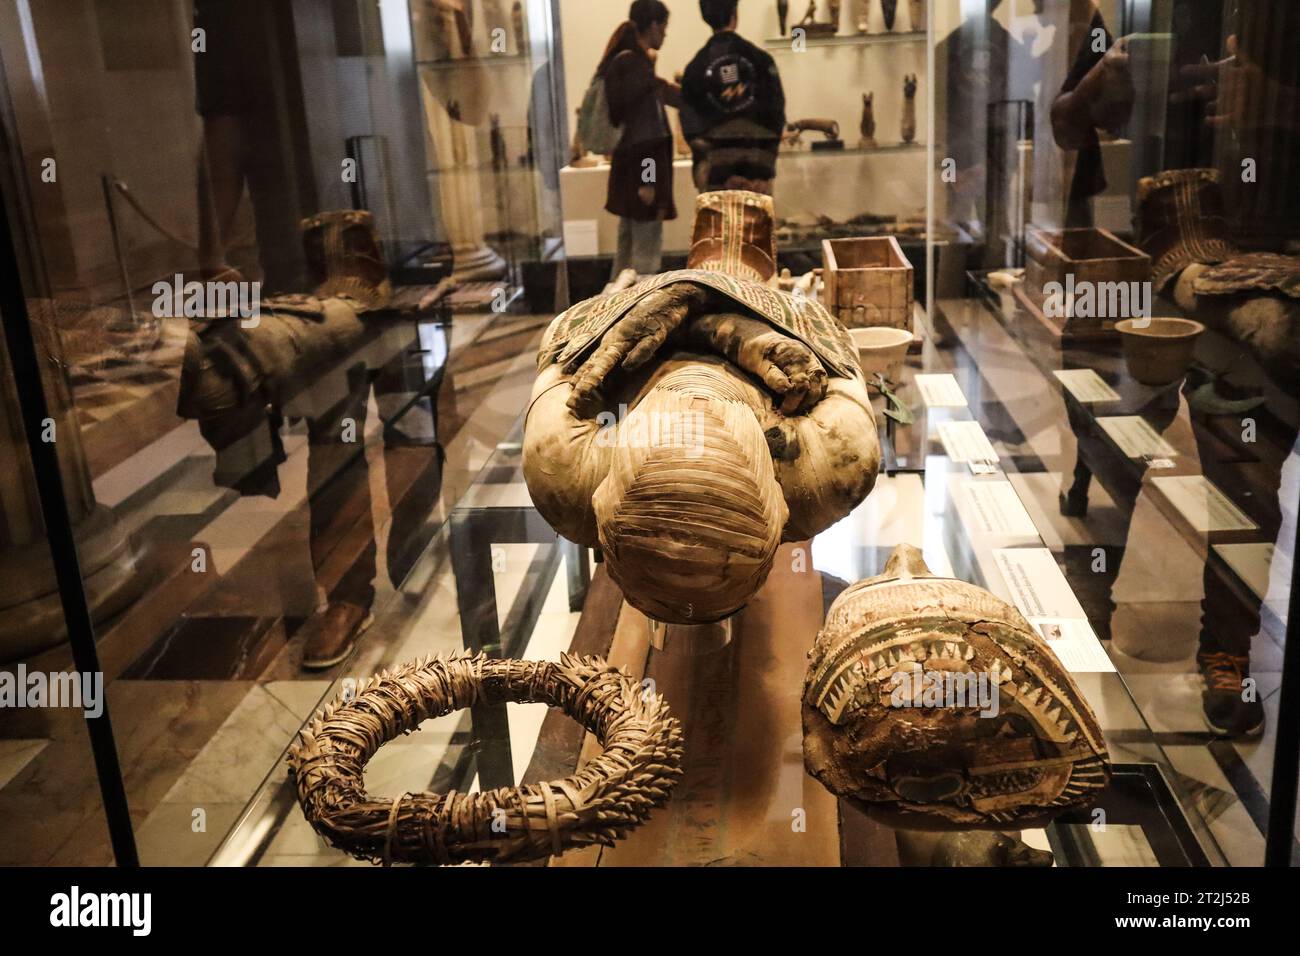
{"x":205,"y":698}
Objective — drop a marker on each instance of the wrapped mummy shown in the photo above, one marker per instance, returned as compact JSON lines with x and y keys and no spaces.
{"x":238,"y":376}
{"x":1253,"y":298}
{"x":690,"y":424}
{"x":932,"y":705}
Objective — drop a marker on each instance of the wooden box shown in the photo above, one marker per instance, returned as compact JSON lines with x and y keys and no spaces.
{"x":868,"y":282}
{"x":1100,"y":280}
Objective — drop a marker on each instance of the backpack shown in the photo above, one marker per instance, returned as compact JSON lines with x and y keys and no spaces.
{"x":596,"y":131}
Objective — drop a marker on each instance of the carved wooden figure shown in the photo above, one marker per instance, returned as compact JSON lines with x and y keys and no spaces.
{"x":917,"y":10}
{"x":494,"y":16}
{"x":868,"y":126}
{"x":448,"y":18}
{"x":813,"y":27}
{"x":827,"y":127}
{"x":909,"y":108}
{"x":517,"y":22}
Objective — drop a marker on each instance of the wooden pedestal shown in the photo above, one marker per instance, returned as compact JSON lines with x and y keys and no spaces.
{"x":744,"y":797}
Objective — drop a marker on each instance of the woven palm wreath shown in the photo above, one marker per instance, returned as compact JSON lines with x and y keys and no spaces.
{"x":597,"y":805}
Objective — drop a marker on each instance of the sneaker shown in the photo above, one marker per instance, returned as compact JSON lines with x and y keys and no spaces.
{"x":331,"y":634}
{"x":1226,"y":711}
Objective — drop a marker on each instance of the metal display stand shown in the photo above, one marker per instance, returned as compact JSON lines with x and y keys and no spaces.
{"x":490,"y":515}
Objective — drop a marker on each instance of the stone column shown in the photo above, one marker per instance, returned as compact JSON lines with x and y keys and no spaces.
{"x":31,"y":617}
{"x":453,"y":108}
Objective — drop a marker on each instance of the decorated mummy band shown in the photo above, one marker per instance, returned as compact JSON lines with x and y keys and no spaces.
{"x":883,"y":728}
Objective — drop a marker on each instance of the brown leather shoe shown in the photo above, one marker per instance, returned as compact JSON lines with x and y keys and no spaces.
{"x":331,"y":634}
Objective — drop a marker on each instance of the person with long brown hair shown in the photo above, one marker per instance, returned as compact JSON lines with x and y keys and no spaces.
{"x":641,"y":174}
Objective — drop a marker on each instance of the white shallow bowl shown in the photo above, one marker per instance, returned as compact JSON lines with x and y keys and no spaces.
{"x":881,"y":350}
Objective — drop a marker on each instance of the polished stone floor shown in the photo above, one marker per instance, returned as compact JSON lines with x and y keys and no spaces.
{"x":205,"y":690}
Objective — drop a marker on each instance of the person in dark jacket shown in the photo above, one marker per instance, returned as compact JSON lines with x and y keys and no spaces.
{"x":641,"y":174}
{"x":733,"y":107}
{"x":240,"y":91}
{"x":1097,"y":94}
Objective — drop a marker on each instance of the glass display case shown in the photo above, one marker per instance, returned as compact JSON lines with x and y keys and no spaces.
{"x":279,"y":292}
{"x":1151,"y":437}
{"x":267,"y":391}
{"x":488,"y":93}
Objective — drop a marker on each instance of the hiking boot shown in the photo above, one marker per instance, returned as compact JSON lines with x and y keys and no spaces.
{"x":1227,"y":711}
{"x":331,"y":634}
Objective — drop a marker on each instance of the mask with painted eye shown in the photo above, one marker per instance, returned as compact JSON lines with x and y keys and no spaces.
{"x":932,"y":705}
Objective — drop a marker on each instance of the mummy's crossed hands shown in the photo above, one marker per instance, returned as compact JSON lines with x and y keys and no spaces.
{"x":701,"y":319}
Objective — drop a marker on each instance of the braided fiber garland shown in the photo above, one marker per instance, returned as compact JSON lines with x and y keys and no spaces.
{"x":597,"y":805}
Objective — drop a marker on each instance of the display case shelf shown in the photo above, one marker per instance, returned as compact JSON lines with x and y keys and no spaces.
{"x":852,"y":151}
{"x":510,"y":167}
{"x":513,"y":59}
{"x":849,"y":39}
{"x":816,"y":153}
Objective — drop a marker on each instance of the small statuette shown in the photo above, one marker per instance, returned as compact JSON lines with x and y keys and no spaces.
{"x":868,"y":126}
{"x":517,"y":22}
{"x":917,"y":10}
{"x":909,"y":108}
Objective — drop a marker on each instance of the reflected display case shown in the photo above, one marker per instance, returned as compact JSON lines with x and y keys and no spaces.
{"x":327,"y":443}
{"x":1120,"y":196}
{"x":252,"y":297}
{"x":488,"y":76}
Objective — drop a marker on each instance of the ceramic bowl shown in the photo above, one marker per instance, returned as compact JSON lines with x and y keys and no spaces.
{"x":1159,"y":351}
{"x":881,"y":350}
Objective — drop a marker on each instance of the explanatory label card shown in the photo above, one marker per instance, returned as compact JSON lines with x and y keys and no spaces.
{"x":996,"y":509}
{"x":966,"y":441}
{"x":1253,"y":563}
{"x":1075,"y":644}
{"x":1205,"y":507}
{"x":1036,"y":585}
{"x":1136,"y":438}
{"x":1086,"y":385}
{"x":940,"y":391}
